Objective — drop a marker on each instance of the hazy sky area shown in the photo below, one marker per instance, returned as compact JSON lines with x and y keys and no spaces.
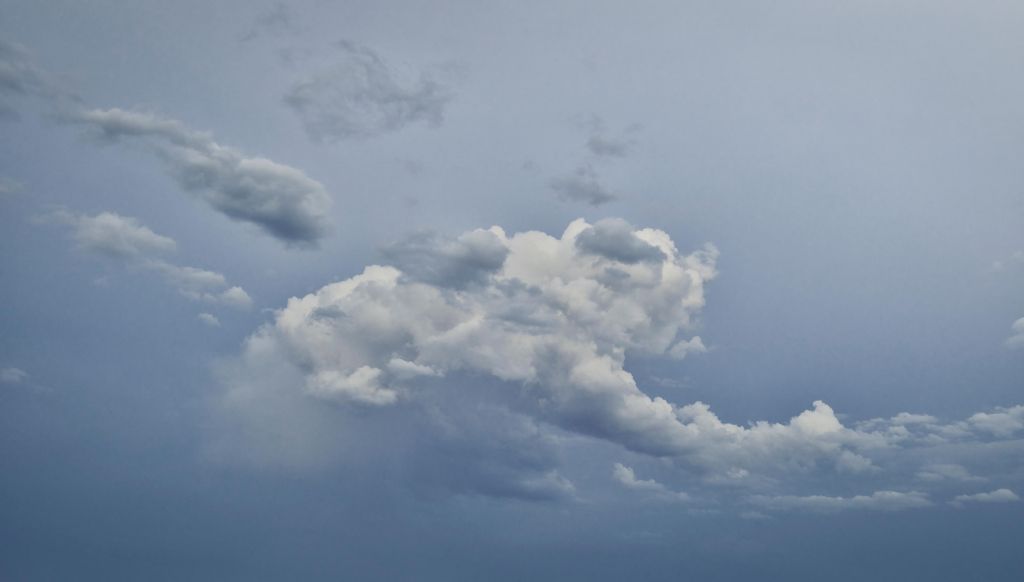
{"x":461,"y":291}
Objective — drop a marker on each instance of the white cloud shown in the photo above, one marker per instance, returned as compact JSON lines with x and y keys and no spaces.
{"x":280,"y":200}
{"x":1002,"y":422}
{"x":997,"y":496}
{"x":361,"y":96}
{"x":1017,"y":339}
{"x":541,"y":327}
{"x":209,"y":319}
{"x":877,"y":501}
{"x":12,"y":375}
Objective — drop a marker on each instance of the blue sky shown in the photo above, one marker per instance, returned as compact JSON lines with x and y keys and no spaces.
{"x":560,"y":291}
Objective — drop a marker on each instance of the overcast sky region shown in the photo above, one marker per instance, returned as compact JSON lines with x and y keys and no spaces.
{"x":461,"y":291}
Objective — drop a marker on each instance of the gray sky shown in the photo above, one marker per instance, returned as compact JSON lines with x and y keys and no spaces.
{"x":558,"y":291}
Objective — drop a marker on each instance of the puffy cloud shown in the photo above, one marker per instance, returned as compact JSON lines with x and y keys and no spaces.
{"x":582,"y":185}
{"x":877,"y":501}
{"x":553,"y":318}
{"x":361,"y":96}
{"x":537,"y":329}
{"x":278,"y":199}
{"x":997,"y":496}
{"x":125,"y":239}
{"x":12,"y":375}
{"x":1017,"y":339}
{"x":1002,"y":422}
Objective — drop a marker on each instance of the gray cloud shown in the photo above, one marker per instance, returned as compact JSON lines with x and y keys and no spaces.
{"x":113,"y":235}
{"x":626,"y":477}
{"x":615,"y":239}
{"x":471,"y":258}
{"x":582,"y":186}
{"x":280,"y":200}
{"x":997,"y":496}
{"x":362,"y":96}
{"x":12,"y":375}
{"x":877,"y":501}
{"x":277,"y":21}
{"x":125,"y":239}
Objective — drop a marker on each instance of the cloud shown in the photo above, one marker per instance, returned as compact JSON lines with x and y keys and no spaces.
{"x":277,"y":21}
{"x":602,"y":145}
{"x":362,"y":96}
{"x":113,"y":235}
{"x":201,"y":285}
{"x":126,"y":240}
{"x":1002,"y":422}
{"x":538,"y":329}
{"x":877,"y":501}
{"x":209,"y":319}
{"x":1016,"y":340}
{"x":582,"y":186}
{"x":9,"y":186}
{"x":278,"y":199}
{"x":946,"y":472}
{"x":626,"y":477}
{"x":683,"y":348}
{"x":20,"y":78}
{"x":471,"y":258}
{"x":12,"y":375}
{"x":615,"y":239}
{"x":997,"y":496}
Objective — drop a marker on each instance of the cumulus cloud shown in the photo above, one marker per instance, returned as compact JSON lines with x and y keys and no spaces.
{"x":362,"y":96}
{"x":125,"y":239}
{"x":877,"y":501}
{"x":279,"y":200}
{"x":12,"y":375}
{"x":1016,"y":340}
{"x":584,"y":186}
{"x":539,"y":328}
{"x":997,"y":496}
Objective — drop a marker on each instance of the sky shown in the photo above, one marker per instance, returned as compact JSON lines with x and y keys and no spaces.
{"x":557,"y":291}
